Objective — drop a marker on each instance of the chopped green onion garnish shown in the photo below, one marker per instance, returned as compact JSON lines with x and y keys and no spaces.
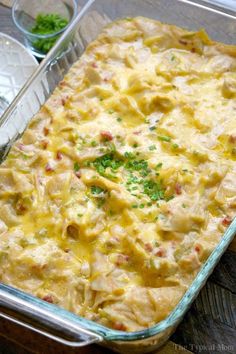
{"x":164,"y":138}
{"x":76,"y":167}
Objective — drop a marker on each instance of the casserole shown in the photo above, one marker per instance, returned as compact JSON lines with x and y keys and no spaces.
{"x":9,"y":302}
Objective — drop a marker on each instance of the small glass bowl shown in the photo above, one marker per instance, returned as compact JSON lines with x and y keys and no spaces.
{"x":24,"y":13}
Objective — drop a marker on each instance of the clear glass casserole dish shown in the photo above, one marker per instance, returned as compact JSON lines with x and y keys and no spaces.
{"x":49,"y":319}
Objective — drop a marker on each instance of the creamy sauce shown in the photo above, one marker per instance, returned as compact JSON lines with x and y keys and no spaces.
{"x":125,"y":181}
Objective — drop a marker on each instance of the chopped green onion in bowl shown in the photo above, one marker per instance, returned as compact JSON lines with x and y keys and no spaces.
{"x":47,"y":24}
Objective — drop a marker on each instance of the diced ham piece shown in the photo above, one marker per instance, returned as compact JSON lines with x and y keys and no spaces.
{"x":232,"y":139}
{"x":181,"y":41}
{"x":78,"y":174}
{"x":178,"y":189}
{"x":137,"y":132}
{"x":25,"y":148}
{"x":46,"y":131}
{"x":148,"y":247}
{"x":119,"y":326}
{"x":59,"y":155}
{"x":63,"y":84}
{"x":49,"y":168}
{"x":48,"y":298}
{"x":161,"y":252}
{"x":20,"y":208}
{"x":64,"y":100}
{"x":44,"y":144}
{"x":226,"y":221}
{"x":122,"y":259}
{"x":106,"y":135}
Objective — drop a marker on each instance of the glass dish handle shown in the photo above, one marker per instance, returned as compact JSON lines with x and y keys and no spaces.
{"x":47,"y":323}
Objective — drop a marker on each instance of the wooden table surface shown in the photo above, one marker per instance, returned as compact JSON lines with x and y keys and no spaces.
{"x":208,"y":328}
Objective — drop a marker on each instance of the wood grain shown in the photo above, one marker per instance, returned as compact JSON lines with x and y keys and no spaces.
{"x":210,"y":325}
{"x":19,"y":339}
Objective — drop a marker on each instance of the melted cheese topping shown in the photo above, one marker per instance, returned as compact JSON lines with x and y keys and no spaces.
{"x":124,"y":182}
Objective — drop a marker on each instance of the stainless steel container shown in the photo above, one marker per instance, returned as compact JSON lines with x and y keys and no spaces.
{"x":49,"y":319}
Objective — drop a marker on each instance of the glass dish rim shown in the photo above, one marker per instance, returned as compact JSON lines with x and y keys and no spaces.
{"x":44,"y":36}
{"x":177,"y":313}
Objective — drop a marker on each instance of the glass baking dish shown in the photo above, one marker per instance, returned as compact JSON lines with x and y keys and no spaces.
{"x":48,"y":319}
